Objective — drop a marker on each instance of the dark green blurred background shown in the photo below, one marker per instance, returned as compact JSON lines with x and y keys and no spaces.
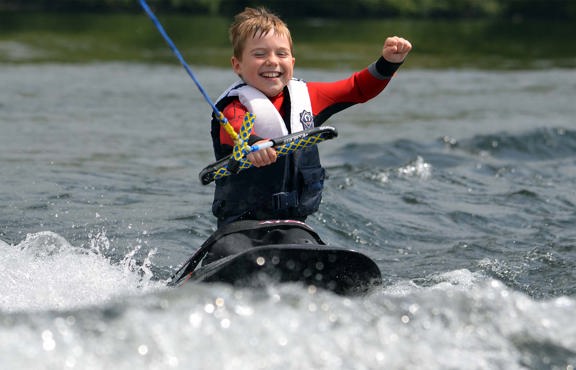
{"x":486,"y":34}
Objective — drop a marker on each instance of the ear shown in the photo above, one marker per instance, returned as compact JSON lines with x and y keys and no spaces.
{"x":236,"y":65}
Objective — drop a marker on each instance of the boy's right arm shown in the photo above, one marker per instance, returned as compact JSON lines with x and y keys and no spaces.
{"x":234,"y":113}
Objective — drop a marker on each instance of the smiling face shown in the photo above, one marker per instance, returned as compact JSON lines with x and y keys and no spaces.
{"x":266,"y":63}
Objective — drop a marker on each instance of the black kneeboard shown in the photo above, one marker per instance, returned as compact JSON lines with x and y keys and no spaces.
{"x":340,"y":270}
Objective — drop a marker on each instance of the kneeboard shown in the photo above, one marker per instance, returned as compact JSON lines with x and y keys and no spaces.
{"x":340,"y":270}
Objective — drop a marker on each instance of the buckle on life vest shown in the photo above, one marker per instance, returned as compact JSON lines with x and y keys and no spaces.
{"x":284,"y":200}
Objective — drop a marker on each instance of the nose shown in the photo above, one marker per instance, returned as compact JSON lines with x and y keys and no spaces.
{"x":272,"y":59}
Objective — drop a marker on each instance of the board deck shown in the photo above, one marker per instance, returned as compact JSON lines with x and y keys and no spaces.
{"x":343,"y":271}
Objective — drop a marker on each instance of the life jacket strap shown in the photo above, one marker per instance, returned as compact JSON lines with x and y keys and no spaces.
{"x":284,"y":200}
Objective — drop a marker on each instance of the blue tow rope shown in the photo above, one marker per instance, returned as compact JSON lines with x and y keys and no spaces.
{"x":179,"y":56}
{"x":241,"y":148}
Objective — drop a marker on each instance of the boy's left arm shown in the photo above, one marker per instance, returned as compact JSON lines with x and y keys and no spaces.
{"x":329,"y":98}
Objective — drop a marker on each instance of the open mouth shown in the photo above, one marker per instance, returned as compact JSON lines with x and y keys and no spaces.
{"x":271,"y":74}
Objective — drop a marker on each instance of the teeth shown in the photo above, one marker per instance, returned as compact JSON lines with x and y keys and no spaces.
{"x":271,"y":74}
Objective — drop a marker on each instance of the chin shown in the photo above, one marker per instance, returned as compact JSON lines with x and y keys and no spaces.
{"x":271,"y":92}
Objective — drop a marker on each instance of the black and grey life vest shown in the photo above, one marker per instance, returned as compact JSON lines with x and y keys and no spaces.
{"x":291,"y":188}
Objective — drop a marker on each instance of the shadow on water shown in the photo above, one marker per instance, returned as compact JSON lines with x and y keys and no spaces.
{"x":319,"y":43}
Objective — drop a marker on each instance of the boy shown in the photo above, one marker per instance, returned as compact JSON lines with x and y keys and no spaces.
{"x":289,"y":187}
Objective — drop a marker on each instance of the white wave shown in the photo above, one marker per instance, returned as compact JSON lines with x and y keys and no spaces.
{"x":45,"y":272}
{"x":417,"y":168}
{"x":458,"y":320}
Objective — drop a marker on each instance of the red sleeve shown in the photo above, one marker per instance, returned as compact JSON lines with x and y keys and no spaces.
{"x":358,"y":88}
{"x":234,"y":112}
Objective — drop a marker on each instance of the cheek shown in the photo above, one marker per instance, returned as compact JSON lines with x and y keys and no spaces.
{"x":289,"y":69}
{"x":251,"y":67}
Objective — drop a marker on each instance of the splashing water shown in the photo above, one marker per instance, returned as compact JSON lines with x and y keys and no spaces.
{"x":45,"y":272}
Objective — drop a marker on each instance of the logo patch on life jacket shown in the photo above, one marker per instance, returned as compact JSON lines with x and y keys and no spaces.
{"x":306,"y":119}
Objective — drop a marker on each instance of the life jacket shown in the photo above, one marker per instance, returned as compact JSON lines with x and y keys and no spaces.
{"x":291,"y":188}
{"x":268,"y":123}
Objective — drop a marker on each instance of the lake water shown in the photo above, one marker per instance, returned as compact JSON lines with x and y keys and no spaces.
{"x":459,"y":183}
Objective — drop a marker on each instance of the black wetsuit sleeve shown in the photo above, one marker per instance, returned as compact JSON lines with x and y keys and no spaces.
{"x":383,"y":69}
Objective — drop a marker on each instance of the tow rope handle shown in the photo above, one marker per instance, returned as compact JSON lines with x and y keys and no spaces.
{"x":284,"y":145}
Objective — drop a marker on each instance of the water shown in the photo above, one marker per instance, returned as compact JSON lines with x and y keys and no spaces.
{"x":459,"y":183}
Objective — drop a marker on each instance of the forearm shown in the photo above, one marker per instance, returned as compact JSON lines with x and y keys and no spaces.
{"x":235,"y":113}
{"x":358,"y":88}
{"x":383,"y":69}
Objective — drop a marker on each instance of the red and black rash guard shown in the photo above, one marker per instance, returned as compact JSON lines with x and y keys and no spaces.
{"x":327,"y":98}
{"x":290,"y":188}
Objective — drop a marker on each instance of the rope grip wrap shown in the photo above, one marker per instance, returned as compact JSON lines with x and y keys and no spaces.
{"x":241,"y":147}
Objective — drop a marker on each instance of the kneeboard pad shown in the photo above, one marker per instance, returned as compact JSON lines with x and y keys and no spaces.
{"x":339,"y":270}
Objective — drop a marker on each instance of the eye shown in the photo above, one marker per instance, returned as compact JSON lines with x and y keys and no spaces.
{"x":283,"y":53}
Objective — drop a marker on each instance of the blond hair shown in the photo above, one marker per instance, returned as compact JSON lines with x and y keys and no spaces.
{"x":255,"y":22}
